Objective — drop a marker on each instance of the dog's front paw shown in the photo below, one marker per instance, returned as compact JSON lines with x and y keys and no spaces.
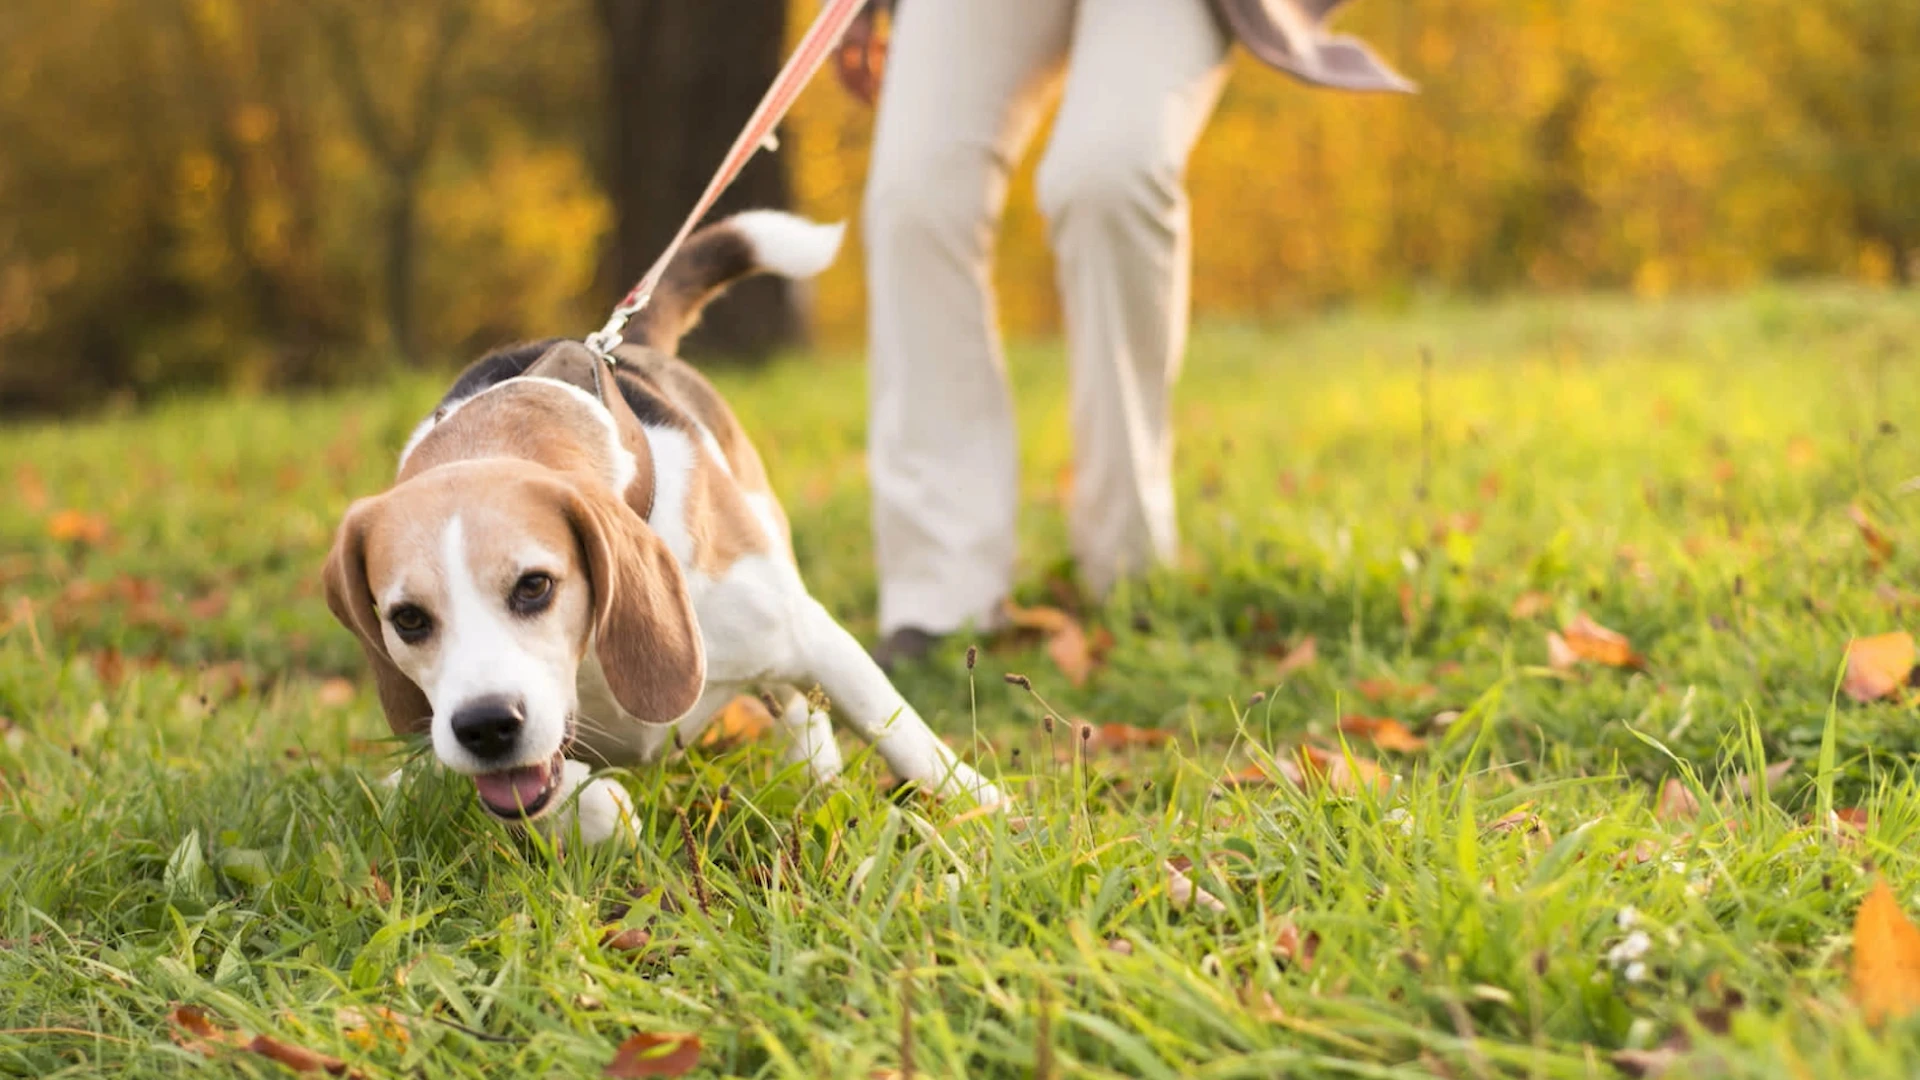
{"x":602,"y":807}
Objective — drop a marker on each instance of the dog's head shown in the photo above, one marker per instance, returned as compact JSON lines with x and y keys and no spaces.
{"x":477,"y":587}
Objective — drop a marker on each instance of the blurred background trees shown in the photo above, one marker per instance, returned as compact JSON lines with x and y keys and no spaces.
{"x":278,"y":192}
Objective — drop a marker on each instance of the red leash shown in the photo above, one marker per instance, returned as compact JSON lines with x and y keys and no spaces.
{"x":827,"y":29}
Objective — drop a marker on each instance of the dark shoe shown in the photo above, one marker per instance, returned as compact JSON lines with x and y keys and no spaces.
{"x":907,"y":645}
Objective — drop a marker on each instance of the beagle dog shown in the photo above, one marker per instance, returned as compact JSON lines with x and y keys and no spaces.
{"x":579,"y":564}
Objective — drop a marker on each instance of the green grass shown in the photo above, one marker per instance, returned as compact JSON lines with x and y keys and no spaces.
{"x":186,"y":815}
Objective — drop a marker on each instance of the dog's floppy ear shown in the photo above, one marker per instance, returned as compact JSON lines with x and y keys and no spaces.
{"x":644,"y":631}
{"x":351,"y":601}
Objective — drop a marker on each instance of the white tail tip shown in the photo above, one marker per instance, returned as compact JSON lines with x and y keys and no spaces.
{"x":787,"y":244}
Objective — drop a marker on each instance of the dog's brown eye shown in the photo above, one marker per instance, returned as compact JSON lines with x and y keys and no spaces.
{"x":530,"y":593}
{"x":411,"y":623}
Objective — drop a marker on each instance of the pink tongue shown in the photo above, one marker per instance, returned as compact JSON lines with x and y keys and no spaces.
{"x":513,"y":790}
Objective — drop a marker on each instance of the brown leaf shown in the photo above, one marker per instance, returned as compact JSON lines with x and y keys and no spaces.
{"x":1591,"y":641}
{"x":110,"y":666}
{"x":1879,"y":548}
{"x":77,"y":526}
{"x":335,"y":693}
{"x":1560,"y":655}
{"x":1677,"y":802}
{"x":1886,"y":958}
{"x":1385,"y":689}
{"x":651,"y":1054}
{"x":298,"y":1058}
{"x":1383,"y":732}
{"x":1119,"y":736}
{"x":743,"y":720}
{"x":196,"y":1031}
{"x":30,"y":488}
{"x":1852,"y":817}
{"x":1290,"y":946}
{"x":631,"y":939}
{"x":1776,"y":772}
{"x":1182,"y":893}
{"x":1256,"y":775}
{"x":1067,"y":643}
{"x":1645,"y":1064}
{"x":1878,"y":666}
{"x":370,"y":1026}
{"x":1523,"y":821}
{"x":1120,"y":945}
{"x":382,"y":892}
{"x":1299,"y":657}
{"x":1339,"y":773}
{"x":1531,"y":605}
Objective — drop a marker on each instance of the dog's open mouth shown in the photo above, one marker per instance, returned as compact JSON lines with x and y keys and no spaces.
{"x":518,"y":793}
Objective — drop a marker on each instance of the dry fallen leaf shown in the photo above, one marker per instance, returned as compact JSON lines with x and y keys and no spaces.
{"x":1878,"y":666}
{"x":1290,"y":946}
{"x":1852,"y":817}
{"x":196,"y":1031}
{"x":1560,"y":655}
{"x":1677,"y":802}
{"x":1257,"y":775}
{"x":1298,"y":657}
{"x":1523,"y":821}
{"x":298,"y":1058}
{"x":370,"y":1026}
{"x":1182,"y":893}
{"x":1067,"y":643}
{"x":743,"y":720}
{"x":77,"y":526}
{"x":650,"y":1054}
{"x":631,"y":939}
{"x":382,"y":892}
{"x":1645,"y":1064}
{"x":1386,"y":689}
{"x":1531,"y":604}
{"x":1117,"y":736}
{"x":1879,"y":548}
{"x":1886,"y":958}
{"x":1383,"y":732}
{"x":1591,"y":641}
{"x":1776,"y":772}
{"x":1340,"y":772}
{"x":335,"y":693}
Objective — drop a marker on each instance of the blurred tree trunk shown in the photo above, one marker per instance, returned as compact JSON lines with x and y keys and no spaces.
{"x":682,"y":78}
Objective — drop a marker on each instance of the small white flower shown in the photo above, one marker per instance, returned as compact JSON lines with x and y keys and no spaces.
{"x":1399,"y":816}
{"x":1630,"y":950}
{"x":1627,"y":918}
{"x":1636,"y":971}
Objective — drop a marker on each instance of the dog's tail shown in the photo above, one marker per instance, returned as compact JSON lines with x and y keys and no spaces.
{"x":757,"y":241}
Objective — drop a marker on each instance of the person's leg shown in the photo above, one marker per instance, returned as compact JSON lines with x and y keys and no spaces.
{"x":1142,"y":79}
{"x":965,"y":82}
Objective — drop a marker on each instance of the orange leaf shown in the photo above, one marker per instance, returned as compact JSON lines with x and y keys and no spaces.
{"x":1340,"y":774}
{"x":1591,"y":641}
{"x":1290,"y":946}
{"x":77,"y":526}
{"x":1299,"y":657}
{"x":649,"y":1054}
{"x":1560,"y":655}
{"x":1531,"y":604}
{"x":743,"y":720}
{"x":1382,"y":689}
{"x":1120,"y":736}
{"x":1383,"y":732}
{"x":196,"y":1031}
{"x":1886,"y":958}
{"x":632,"y":939}
{"x":1879,"y":548}
{"x":336,"y":692}
{"x":1067,"y":643}
{"x":298,"y":1058}
{"x":370,"y":1026}
{"x":376,"y":884}
{"x":1677,"y":802}
{"x":1255,"y":775}
{"x":1877,"y":666}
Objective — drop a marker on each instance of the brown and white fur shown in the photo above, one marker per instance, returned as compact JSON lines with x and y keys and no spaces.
{"x":580,"y":565}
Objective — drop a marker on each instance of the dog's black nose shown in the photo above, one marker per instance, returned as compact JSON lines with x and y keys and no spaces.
{"x":489,"y":727}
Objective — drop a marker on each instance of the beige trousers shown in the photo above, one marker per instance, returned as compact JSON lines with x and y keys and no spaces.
{"x":967,"y":83}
